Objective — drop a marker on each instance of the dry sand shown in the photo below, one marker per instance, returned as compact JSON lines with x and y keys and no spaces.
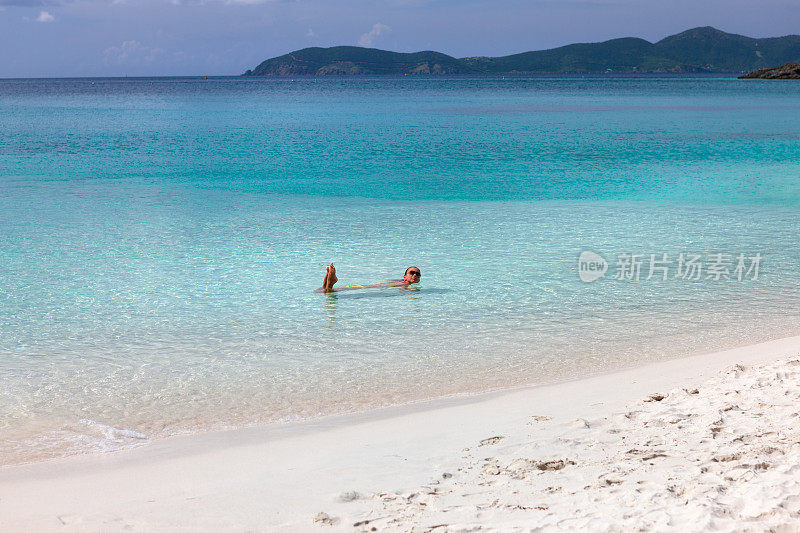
{"x":710,"y":442}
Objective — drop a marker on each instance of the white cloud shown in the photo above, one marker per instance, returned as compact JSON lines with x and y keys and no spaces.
{"x":119,"y":54}
{"x":44,"y":16}
{"x":131,"y":52}
{"x":310,"y":33}
{"x":377,"y":30}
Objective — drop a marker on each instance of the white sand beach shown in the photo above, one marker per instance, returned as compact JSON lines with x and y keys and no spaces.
{"x":708,"y":442}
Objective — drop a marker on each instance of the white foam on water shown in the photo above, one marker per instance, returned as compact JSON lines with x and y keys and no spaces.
{"x":84,"y":437}
{"x":115,"y":438}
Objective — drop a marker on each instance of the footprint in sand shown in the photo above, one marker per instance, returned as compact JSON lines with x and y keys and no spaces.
{"x":792,"y":505}
{"x":491,"y":440}
{"x":727,"y":457}
{"x":736,"y":370}
{"x":657,"y":397}
{"x":325,"y":519}
{"x":69,"y":519}
{"x":349,"y":496}
{"x":491,"y":470}
{"x":579,"y":423}
{"x":553,"y":465}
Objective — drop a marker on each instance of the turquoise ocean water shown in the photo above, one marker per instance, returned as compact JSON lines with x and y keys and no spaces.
{"x":160,"y":241}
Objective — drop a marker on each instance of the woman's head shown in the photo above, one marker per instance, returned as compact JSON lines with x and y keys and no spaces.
{"x":412,"y":275}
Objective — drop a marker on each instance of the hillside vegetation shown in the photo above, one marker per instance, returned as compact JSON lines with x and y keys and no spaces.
{"x":697,"y":50}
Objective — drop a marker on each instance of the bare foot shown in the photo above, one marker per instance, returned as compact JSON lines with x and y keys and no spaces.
{"x":330,"y":279}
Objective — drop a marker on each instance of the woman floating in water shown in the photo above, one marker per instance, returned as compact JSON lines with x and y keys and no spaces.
{"x":412,"y":275}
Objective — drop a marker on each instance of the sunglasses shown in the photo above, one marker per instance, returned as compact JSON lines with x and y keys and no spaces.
{"x":415,"y":273}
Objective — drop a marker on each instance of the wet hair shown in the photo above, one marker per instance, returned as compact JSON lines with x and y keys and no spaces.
{"x":409,"y":268}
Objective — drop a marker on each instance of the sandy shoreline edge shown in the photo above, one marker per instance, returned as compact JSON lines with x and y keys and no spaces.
{"x":364,"y":468}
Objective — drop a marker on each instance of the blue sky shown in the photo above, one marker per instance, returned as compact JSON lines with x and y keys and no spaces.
{"x":44,"y":38}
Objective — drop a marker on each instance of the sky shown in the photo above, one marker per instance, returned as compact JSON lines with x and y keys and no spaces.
{"x":65,"y":38}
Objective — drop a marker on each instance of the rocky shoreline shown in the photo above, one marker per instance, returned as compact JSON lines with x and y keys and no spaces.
{"x":789,"y":71}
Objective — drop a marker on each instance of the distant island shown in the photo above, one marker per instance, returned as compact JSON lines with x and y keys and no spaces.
{"x":789,"y":71}
{"x":703,"y":49}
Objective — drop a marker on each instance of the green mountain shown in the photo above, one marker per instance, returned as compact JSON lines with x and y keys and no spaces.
{"x":716,"y":51}
{"x":355,"y":60}
{"x":697,"y":50}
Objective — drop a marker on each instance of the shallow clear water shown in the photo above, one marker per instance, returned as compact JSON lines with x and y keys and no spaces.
{"x":160,"y":241}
